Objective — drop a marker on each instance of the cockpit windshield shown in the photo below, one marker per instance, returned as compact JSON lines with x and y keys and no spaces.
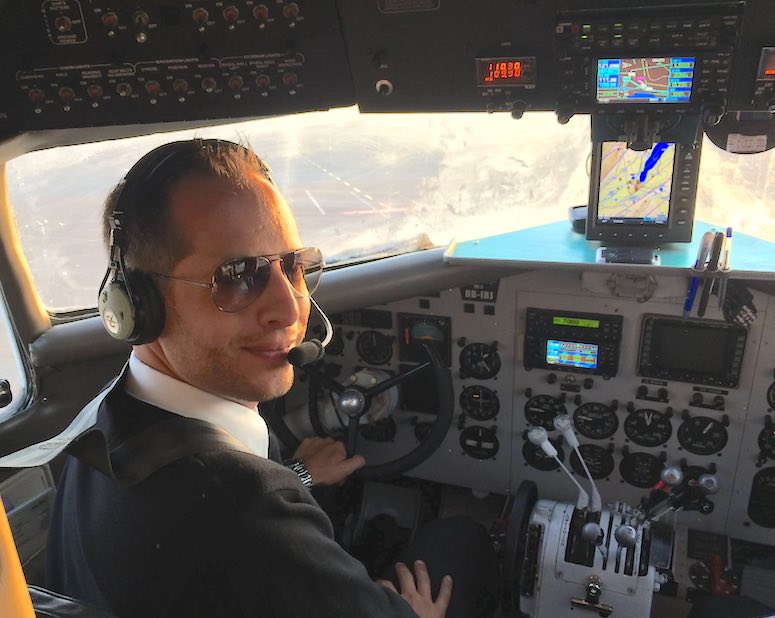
{"x":364,"y":186}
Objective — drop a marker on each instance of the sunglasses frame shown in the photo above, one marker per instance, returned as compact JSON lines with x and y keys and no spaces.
{"x":268,"y":259}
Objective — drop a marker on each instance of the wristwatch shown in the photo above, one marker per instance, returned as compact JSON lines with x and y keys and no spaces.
{"x":301,"y":470}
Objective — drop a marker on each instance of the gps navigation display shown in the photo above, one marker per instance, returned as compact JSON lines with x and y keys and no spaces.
{"x":571,"y":354}
{"x":645,"y":80}
{"x":635,"y":186}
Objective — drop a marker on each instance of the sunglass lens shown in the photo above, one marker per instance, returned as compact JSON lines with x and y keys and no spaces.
{"x":239,"y":282}
{"x":303,"y":269}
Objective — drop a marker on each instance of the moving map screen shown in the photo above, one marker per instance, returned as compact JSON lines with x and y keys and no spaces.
{"x":645,"y":80}
{"x":635,"y":186}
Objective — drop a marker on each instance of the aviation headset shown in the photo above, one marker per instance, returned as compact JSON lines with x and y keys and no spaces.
{"x":129,"y":302}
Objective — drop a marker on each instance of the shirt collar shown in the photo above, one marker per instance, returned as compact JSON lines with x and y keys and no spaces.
{"x":158,"y":389}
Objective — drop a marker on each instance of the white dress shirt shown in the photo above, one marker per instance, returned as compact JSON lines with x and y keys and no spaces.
{"x":158,"y":389}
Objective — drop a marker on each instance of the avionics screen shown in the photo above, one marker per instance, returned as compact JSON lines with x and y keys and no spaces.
{"x":571,"y":354}
{"x":635,"y":186}
{"x":645,"y":80}
{"x":681,"y":348}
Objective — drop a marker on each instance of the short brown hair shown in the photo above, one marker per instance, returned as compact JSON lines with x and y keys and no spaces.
{"x":151,"y":243}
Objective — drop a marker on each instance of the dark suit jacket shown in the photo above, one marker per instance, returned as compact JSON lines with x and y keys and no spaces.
{"x":215,"y":534}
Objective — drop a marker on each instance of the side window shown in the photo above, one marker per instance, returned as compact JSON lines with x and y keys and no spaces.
{"x":11,"y":367}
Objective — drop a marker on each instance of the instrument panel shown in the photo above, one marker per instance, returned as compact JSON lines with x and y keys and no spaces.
{"x":631,"y":423}
{"x":71,"y":63}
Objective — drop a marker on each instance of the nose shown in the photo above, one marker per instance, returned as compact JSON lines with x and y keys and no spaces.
{"x":279,"y":306}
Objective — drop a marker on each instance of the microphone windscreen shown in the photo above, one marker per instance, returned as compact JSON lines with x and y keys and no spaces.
{"x":305,"y":353}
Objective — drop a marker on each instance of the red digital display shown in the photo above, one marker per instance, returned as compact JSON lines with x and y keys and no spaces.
{"x":503,"y":70}
{"x":511,"y":71}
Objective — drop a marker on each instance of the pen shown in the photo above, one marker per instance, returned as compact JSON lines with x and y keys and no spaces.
{"x":707,"y":288}
{"x":699,"y":265}
{"x":690,"y":296}
{"x":722,"y":292}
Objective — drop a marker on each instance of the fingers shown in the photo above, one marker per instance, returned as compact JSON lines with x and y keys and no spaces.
{"x":354,"y":463}
{"x":423,"y":579}
{"x":387,"y":584}
{"x":445,"y":594}
{"x":405,"y":578}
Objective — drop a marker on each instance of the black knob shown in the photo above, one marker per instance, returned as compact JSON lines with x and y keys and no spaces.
{"x":588,"y":383}
{"x":706,"y":507}
{"x":718,"y":402}
{"x":669,"y":412}
{"x":562,"y":397}
{"x":461,"y":342}
{"x":630,"y":407}
{"x":551,"y":378}
{"x":6,"y":396}
{"x":528,"y":392}
{"x":518,"y":110}
{"x":696,"y":399}
{"x":642,"y":391}
{"x":662,"y":394}
{"x":685,"y":415}
{"x":577,"y":400}
{"x":614,"y":405}
{"x":725,"y":420}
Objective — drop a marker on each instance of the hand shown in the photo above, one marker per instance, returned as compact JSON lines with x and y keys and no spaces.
{"x":419,"y":596}
{"x":326,"y":460}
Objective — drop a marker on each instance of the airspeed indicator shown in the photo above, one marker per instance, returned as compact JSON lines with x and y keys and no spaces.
{"x":480,"y":361}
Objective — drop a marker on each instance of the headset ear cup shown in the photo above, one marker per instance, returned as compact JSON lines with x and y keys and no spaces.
{"x":148,"y":308}
{"x":116,"y":310}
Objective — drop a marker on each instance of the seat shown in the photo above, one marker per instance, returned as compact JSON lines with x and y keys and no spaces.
{"x":49,"y":604}
{"x":19,"y":601}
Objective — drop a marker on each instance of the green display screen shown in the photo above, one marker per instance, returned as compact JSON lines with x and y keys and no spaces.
{"x":559,"y":321}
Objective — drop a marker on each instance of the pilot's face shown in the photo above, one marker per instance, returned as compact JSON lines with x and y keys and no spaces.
{"x":242,"y":355}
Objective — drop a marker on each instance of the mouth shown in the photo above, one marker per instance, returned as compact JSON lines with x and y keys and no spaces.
{"x":269,"y":352}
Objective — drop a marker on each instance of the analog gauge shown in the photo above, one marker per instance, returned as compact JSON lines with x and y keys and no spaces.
{"x":479,"y":442}
{"x":702,"y":435}
{"x":535,"y":457}
{"x":479,"y":402}
{"x":648,"y":427}
{"x":374,"y":347}
{"x":595,"y":420}
{"x":541,"y":410}
{"x":598,"y":459}
{"x":761,"y":504}
{"x":771,"y":396}
{"x":480,"y":361}
{"x":767,"y":441}
{"x":640,"y":469}
{"x":335,"y":347}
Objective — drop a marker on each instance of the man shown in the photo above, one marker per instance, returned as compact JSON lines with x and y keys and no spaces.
{"x":223,"y":532}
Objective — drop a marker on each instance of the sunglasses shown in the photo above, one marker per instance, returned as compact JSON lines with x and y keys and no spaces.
{"x":237,"y":283}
